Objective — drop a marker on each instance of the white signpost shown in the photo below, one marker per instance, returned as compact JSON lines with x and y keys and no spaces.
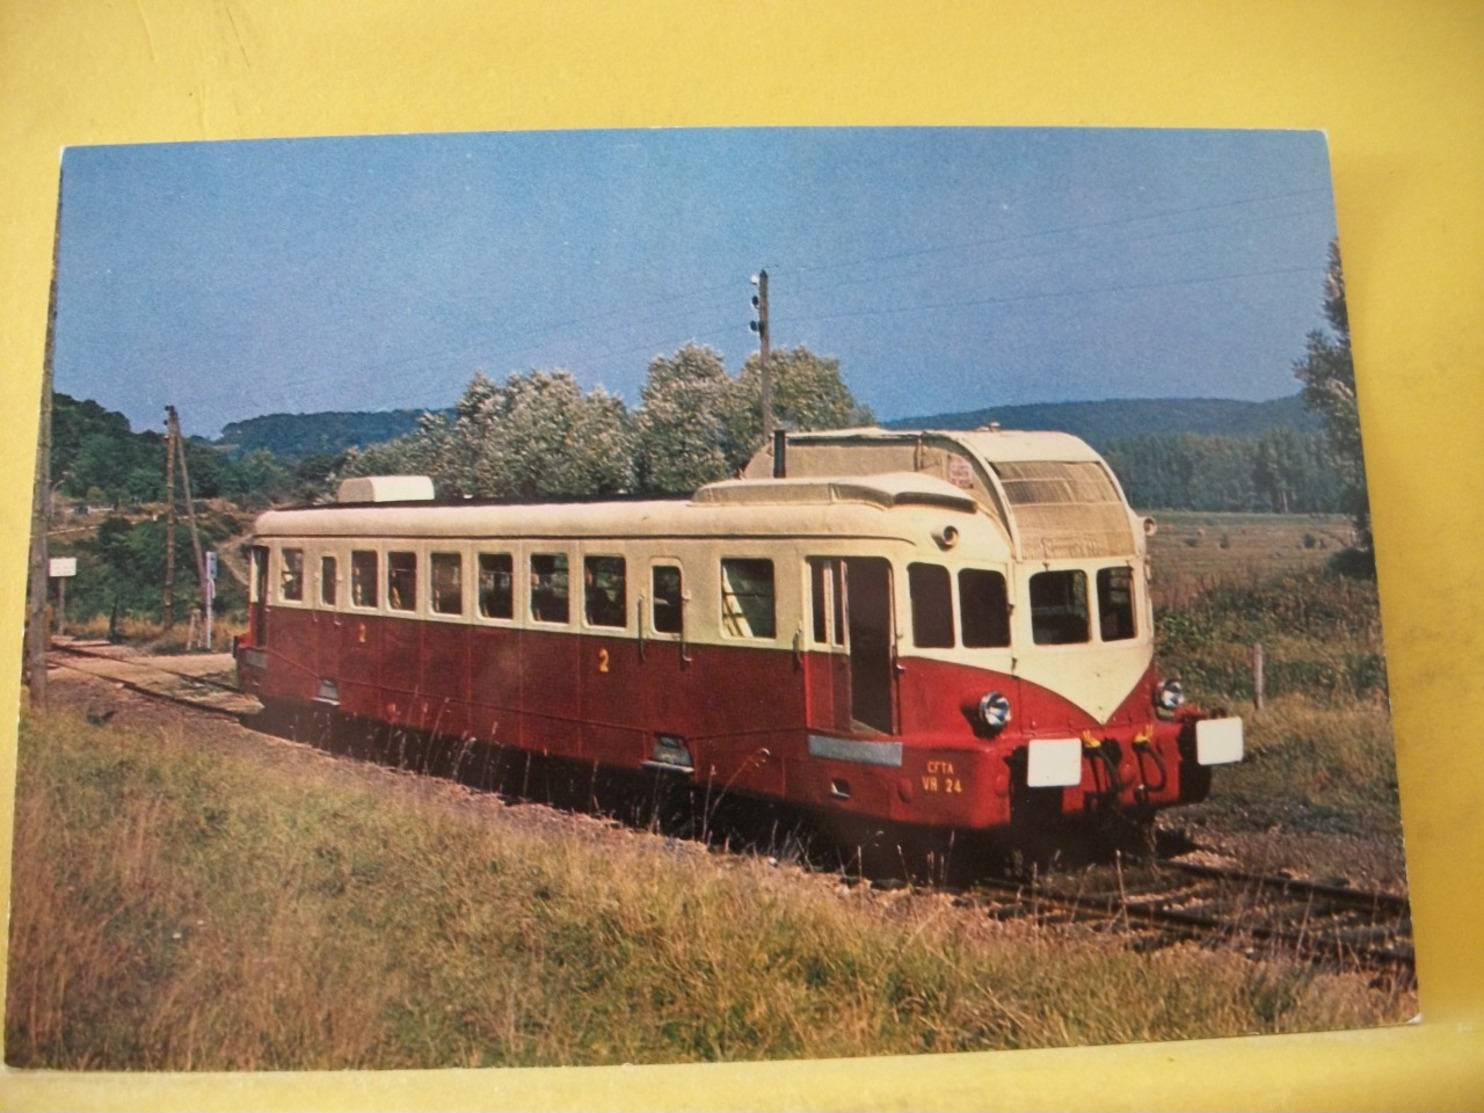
{"x":62,"y":569}
{"x":210,"y":593}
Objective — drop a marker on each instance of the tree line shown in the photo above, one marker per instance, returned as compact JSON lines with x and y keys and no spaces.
{"x":1281,"y":471}
{"x":99,"y":461}
{"x":539,"y":436}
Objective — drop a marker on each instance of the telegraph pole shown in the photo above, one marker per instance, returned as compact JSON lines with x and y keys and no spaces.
{"x":185,"y":482}
{"x":168,"y":604}
{"x":760,"y":326}
{"x":41,"y":499}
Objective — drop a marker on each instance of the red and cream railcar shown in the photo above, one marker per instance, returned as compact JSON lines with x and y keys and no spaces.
{"x":946,"y":631}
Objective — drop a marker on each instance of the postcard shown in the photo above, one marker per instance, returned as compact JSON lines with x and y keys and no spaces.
{"x":671,"y":596}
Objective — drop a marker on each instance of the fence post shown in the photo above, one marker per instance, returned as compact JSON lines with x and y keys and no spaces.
{"x":1257,"y":677}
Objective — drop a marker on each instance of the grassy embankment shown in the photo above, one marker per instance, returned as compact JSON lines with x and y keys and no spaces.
{"x":179,"y":905}
{"x":189,"y":906}
{"x":1321,"y":751}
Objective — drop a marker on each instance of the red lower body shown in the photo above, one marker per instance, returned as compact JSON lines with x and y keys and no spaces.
{"x":775,"y":725}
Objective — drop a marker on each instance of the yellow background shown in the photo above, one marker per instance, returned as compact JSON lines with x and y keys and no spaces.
{"x":1399,"y":87}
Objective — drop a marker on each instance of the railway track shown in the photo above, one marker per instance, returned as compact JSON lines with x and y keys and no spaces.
{"x":1157,"y":903}
{"x":1149,"y":903}
{"x":188,"y":681}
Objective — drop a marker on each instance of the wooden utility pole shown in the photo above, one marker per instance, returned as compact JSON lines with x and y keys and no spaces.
{"x":760,"y":326}
{"x":41,"y":499}
{"x":1257,"y":677}
{"x":168,"y":604}
{"x":185,"y":483}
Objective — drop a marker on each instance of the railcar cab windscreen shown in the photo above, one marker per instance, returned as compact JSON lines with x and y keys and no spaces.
{"x":939,"y":630}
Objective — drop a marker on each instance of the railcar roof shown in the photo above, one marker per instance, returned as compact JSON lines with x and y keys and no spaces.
{"x":903,"y":506}
{"x":890,"y":489}
{"x":994,"y":445}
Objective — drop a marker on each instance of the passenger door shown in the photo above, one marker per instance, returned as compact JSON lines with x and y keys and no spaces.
{"x":868,"y":612}
{"x":850,"y":664}
{"x":826,"y":663}
{"x":258,"y":595}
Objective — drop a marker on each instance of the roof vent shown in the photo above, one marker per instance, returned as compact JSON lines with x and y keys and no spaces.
{"x":386,"y":488}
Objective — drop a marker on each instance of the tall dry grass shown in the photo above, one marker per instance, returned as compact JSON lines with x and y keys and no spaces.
{"x":180,"y":903}
{"x":1320,"y":753}
{"x":153,"y":637}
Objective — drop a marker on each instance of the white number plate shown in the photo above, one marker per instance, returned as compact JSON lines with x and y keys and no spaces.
{"x":1218,"y":741}
{"x":1054,"y":762}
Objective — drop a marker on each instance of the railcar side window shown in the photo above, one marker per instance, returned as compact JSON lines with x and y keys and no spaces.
{"x":327,"y":580}
{"x":448,"y":583}
{"x":401,"y":581}
{"x":747,"y":601}
{"x":496,"y":585}
{"x":549,"y":589}
{"x":1116,"y":603}
{"x":363,"y":578}
{"x":604,"y":595}
{"x":668,"y":615}
{"x":984,"y":608}
{"x":291,"y":581}
{"x":1059,"y":612}
{"x":931,"y":589}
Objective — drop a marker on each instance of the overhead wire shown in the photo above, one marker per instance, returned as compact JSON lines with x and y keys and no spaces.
{"x":644,"y":314}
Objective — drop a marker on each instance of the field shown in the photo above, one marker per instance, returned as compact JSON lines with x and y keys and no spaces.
{"x":189,"y":894}
{"x":1320,"y":751}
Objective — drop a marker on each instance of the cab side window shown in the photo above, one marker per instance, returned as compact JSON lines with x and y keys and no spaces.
{"x":1116,"y":603}
{"x":931,"y":589}
{"x":984,"y":608}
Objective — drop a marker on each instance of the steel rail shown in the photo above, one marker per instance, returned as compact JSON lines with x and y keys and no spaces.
{"x":1217,"y":906}
{"x":143,"y":689}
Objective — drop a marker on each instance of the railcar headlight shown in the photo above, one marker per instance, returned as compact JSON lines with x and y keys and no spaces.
{"x":994,"y":712}
{"x":1169,"y":696}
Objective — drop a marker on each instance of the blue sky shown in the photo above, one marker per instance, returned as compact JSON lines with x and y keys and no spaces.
{"x":945,"y":268}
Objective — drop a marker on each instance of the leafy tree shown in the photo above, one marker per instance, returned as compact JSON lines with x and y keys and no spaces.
{"x":313,"y":477}
{"x":689,"y":428}
{"x":532,"y":436}
{"x":123,"y":565}
{"x":74,"y":422}
{"x":1328,"y":374}
{"x":254,"y":480}
{"x":698,"y":424}
{"x":537,"y":435}
{"x":808,"y":393}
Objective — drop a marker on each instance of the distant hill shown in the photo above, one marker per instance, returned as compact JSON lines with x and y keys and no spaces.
{"x":295,"y":436}
{"x":1101,"y":422}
